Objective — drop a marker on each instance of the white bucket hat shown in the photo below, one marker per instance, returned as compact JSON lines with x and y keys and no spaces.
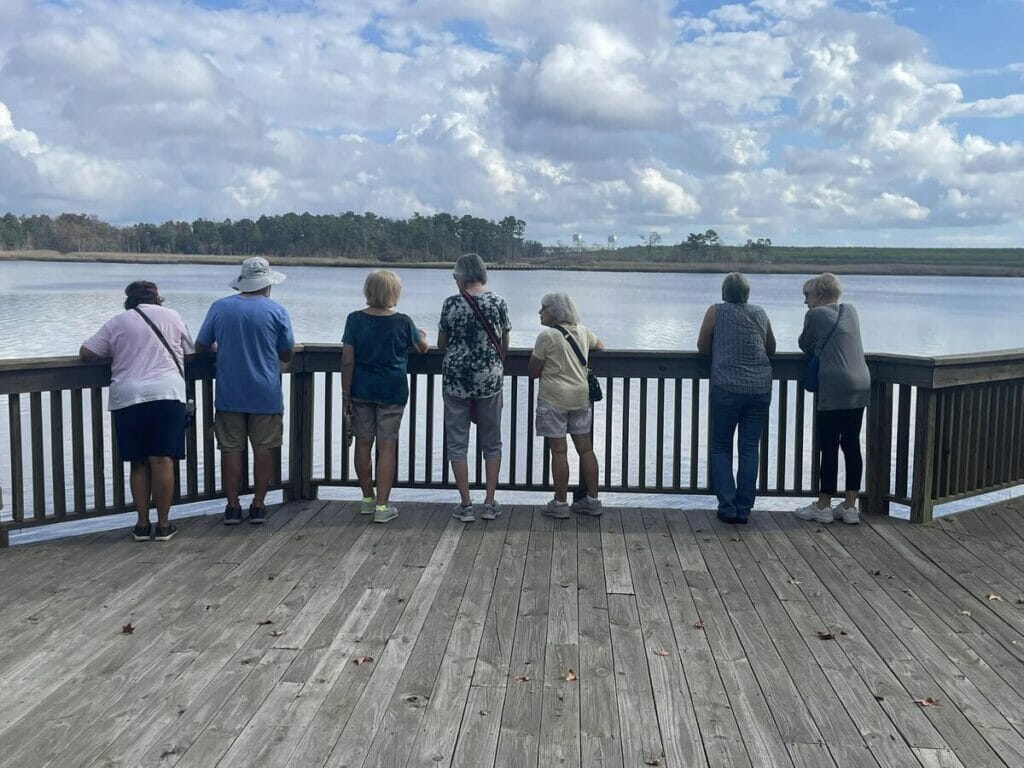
{"x":256,"y":275}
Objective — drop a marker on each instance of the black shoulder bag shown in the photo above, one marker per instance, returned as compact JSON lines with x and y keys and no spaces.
{"x":190,"y":405}
{"x":810,"y":381}
{"x":593,"y":385}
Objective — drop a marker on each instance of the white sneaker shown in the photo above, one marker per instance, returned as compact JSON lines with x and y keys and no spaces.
{"x":814,"y":513}
{"x":850,"y":516}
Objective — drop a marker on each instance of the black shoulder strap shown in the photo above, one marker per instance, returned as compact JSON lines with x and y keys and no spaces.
{"x":829,"y":337}
{"x":574,"y":345}
{"x":488,"y":329}
{"x":163,"y":341}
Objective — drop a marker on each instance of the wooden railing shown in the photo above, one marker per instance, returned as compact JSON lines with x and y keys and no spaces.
{"x":938,"y":429}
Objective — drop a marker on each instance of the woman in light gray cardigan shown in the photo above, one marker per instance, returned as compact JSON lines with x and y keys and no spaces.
{"x":832,"y":331}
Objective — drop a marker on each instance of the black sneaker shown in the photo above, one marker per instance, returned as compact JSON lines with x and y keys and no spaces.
{"x":165,"y":533}
{"x":257,"y":515}
{"x":142,"y":532}
{"x":232,"y":515}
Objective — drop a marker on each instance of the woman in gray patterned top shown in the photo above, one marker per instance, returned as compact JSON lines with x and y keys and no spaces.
{"x":739,"y":339}
{"x":844,"y":390}
{"x":474,"y":335}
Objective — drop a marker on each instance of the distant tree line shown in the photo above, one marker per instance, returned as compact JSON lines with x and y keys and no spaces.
{"x":441,"y":237}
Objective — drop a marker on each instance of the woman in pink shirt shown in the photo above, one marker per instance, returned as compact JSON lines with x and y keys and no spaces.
{"x":146,"y":345}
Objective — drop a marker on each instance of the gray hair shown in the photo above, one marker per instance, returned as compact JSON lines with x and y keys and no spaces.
{"x":561,"y":307}
{"x":735,"y":288}
{"x":470,"y":269}
{"x":826,"y":286}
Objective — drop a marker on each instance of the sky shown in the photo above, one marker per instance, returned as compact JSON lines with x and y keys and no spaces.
{"x":811,"y":122}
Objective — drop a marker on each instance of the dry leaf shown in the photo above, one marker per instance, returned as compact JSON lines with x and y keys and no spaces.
{"x":876,"y":573}
{"x":264,"y":623}
{"x":699,"y":624}
{"x":660,"y":652}
{"x":127,"y":629}
{"x":360,"y":660}
{"x":570,"y":676}
{"x":795,"y":582}
{"x":993,"y":596}
{"x":276,"y":632}
{"x":484,"y":712}
{"x":879,"y":698}
{"x":927,"y":702}
{"x":653,"y":760}
{"x":522,"y":678}
{"x":964,"y":613}
{"x":824,"y":635}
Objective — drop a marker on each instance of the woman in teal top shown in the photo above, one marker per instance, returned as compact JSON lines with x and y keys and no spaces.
{"x":375,"y":385}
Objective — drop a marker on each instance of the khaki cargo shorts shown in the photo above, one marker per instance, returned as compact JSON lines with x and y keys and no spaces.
{"x":233,"y":430}
{"x":376,"y":420}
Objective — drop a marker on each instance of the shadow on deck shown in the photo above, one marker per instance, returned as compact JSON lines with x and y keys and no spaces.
{"x":646,"y":637}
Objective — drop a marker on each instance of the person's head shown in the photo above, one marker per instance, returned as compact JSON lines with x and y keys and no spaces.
{"x":822,"y":289}
{"x":382,"y":289}
{"x":558,"y":309}
{"x":256,"y":276}
{"x":735,"y":288}
{"x":469,"y":269}
{"x":141,"y":292}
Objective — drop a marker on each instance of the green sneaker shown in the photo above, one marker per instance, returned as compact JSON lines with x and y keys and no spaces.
{"x":366,"y":505}
{"x":385,"y":514}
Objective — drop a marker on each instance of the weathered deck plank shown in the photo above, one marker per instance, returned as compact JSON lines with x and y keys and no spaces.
{"x":452,"y":614}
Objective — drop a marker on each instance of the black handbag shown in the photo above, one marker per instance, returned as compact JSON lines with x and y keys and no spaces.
{"x":190,"y":405}
{"x":593,"y":385}
{"x":810,"y":380}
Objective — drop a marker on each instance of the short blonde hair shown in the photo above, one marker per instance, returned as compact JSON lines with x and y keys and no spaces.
{"x":826,"y":286}
{"x":382,"y":289}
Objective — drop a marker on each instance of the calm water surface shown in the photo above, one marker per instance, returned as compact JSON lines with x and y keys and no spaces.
{"x":48,"y":309}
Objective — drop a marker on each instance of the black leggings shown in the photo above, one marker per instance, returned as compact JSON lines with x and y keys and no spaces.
{"x":835,"y":429}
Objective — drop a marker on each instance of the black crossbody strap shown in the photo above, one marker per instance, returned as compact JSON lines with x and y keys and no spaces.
{"x":163,"y":341}
{"x":488,"y":329}
{"x":575,"y":347}
{"x":829,"y":337}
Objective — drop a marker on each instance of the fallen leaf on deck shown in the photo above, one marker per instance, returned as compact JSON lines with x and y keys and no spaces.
{"x":795,"y":582}
{"x":360,"y":660}
{"x":660,"y":652}
{"x":993,"y":596}
{"x":276,"y":632}
{"x":570,"y":676}
{"x":699,"y":624}
{"x":879,"y":698}
{"x":927,"y":702}
{"x":876,"y":573}
{"x":264,"y":623}
{"x":522,"y":678}
{"x":127,"y":629}
{"x":964,"y":613}
{"x":1019,"y":601}
{"x":653,"y":760}
{"x":823,"y":635}
{"x":484,"y":712}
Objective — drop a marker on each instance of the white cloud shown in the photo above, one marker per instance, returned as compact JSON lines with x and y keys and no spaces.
{"x":784,"y":118}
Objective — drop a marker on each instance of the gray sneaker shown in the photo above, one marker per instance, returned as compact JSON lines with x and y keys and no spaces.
{"x":366,"y":506}
{"x":813,"y":513}
{"x":557,"y":509}
{"x":848,"y":516}
{"x":464,"y":514}
{"x":588,"y":506}
{"x":232,"y":515}
{"x":490,"y":510}
{"x":385,"y":515}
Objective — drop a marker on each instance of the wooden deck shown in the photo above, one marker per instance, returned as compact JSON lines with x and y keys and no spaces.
{"x":645,"y":637}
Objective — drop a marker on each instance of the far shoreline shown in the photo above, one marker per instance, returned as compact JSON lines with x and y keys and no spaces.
{"x":716,"y":267}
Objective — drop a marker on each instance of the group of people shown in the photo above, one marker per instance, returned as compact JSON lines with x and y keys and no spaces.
{"x":147,"y":345}
{"x":739,"y":338}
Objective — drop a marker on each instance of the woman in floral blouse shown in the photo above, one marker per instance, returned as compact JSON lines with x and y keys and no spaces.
{"x":474,"y":335}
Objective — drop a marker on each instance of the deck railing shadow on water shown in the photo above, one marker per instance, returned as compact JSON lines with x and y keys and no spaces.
{"x":937,"y":429}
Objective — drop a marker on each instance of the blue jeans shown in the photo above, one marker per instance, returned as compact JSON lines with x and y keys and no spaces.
{"x":729,"y":411}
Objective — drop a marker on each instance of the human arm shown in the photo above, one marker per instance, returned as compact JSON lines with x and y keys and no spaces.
{"x":348,"y":364}
{"x":769,"y":341}
{"x":418,"y":338}
{"x":707,"y":332}
{"x":504,"y":343}
{"x":285,"y":338}
{"x":536,"y":364}
{"x":442,"y":341}
{"x":85,"y":353}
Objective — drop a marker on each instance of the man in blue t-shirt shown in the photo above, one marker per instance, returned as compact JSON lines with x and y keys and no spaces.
{"x":252,"y":336}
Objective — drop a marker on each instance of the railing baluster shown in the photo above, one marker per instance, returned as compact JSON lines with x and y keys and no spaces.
{"x":99,"y":481}
{"x":192,"y":447}
{"x":38,"y":470}
{"x":411,"y":417}
{"x":513,"y":434}
{"x":641,"y":447}
{"x":677,"y":434}
{"x":328,"y":454}
{"x":694,"y":431}
{"x":209,"y":456}
{"x":659,"y":440}
{"x":799,"y":429}
{"x":609,"y":418}
{"x":530,"y":400}
{"x":627,"y":405}
{"x":428,"y":452}
{"x":903,"y":442}
{"x":117,"y":471}
{"x":57,"y":473}
{"x":17,"y":458}
{"x":78,"y":451}
{"x":783,"y":429}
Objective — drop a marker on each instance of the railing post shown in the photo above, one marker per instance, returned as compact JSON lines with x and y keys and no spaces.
{"x":879,"y":447}
{"x":921,"y":500}
{"x":300,"y":437}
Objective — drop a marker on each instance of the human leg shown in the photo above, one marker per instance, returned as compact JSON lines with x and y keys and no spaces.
{"x":753,"y":417}
{"x":265,"y":435}
{"x":387,"y":450}
{"x":140,"y":483}
{"x":456,"y":430}
{"x":161,"y":472}
{"x":488,"y":436}
{"x":231,"y":431}
{"x":363,"y":460}
{"x":588,"y":462}
{"x":827,"y":436}
{"x":559,"y":467}
{"x":849,"y":441}
{"x":725,"y":413}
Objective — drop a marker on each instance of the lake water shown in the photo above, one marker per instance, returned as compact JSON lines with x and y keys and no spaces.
{"x":48,"y":309}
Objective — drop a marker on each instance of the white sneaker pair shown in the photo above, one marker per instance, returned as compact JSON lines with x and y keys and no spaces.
{"x":815,"y":514}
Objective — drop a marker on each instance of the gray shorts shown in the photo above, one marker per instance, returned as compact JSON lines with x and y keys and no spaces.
{"x":556,"y":422}
{"x":488,"y":425}
{"x":371,"y":420}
